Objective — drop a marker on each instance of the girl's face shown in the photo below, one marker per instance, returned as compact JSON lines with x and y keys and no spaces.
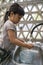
{"x":15,"y":18}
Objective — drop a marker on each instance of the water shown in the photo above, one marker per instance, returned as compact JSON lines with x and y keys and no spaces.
{"x":27,"y":56}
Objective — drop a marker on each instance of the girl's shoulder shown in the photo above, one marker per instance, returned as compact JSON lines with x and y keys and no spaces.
{"x":8,"y":22}
{"x":9,"y":25}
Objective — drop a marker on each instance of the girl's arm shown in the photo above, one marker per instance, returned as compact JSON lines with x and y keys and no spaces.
{"x":21,"y":40}
{"x":15,"y":41}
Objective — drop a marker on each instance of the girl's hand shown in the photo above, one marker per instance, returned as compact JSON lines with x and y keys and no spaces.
{"x":30,"y":46}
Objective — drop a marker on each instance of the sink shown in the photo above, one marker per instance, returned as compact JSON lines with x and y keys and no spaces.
{"x":33,"y":54}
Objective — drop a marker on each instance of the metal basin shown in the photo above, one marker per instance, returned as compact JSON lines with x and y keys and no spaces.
{"x":36,"y":57}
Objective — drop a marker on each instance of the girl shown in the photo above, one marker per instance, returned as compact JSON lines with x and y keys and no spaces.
{"x":10,"y":40}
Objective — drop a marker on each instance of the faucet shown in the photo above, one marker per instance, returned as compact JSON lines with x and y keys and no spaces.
{"x":40,"y":50}
{"x":36,"y":27}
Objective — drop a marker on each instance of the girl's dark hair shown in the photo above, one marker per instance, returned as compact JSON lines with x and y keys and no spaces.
{"x":16,"y":9}
{"x":6,"y":16}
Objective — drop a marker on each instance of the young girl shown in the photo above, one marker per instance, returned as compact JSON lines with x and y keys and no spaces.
{"x":10,"y":40}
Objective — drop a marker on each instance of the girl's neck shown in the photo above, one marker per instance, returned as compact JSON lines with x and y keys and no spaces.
{"x":10,"y":20}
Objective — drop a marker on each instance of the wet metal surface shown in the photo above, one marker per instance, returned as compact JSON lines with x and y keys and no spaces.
{"x":37,"y":58}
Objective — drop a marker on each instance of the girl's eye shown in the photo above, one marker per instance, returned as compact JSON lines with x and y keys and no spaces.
{"x":19,"y":17}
